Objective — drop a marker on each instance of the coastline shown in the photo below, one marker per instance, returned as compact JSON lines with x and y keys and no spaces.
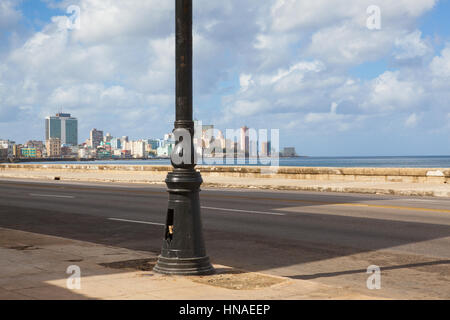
{"x":300,"y":161}
{"x":432,"y":182}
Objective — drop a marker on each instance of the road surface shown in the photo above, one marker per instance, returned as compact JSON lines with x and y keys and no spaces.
{"x":326,"y":237}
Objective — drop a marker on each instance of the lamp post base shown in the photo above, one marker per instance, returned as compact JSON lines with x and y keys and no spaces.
{"x":184,"y":267}
{"x":183,"y":250}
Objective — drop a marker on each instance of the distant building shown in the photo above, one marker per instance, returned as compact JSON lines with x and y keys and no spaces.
{"x":66,"y":151}
{"x":74,"y":150}
{"x":138,"y":149}
{"x":86,"y":153}
{"x":16,"y":150}
{"x":53,"y":146}
{"x":154,"y":144}
{"x":289,"y":152}
{"x":8,"y":145}
{"x":169,"y":138}
{"x":116,"y":144}
{"x":222,"y":141}
{"x":244,"y":142}
{"x":96,"y":138}
{"x":108,"y":138}
{"x":63,"y":127}
{"x":34,"y":144}
{"x":198,"y":125}
{"x":28,"y":153}
{"x":165,"y":151}
{"x":266,"y":149}
{"x":38,"y":145}
{"x":103,"y":154}
{"x":117,"y":153}
{"x":125,"y":154}
{"x":3,"y":154}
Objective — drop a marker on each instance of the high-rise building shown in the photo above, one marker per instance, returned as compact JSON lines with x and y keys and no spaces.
{"x":124,"y":141}
{"x":244,"y":143}
{"x":96,"y":138}
{"x":64,"y":127}
{"x":108,"y":137}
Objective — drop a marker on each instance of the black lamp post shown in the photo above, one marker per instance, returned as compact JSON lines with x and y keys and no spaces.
{"x":183,"y":250}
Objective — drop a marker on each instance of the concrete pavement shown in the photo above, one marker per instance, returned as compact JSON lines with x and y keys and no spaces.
{"x":35,"y":267}
{"x":327,"y":238}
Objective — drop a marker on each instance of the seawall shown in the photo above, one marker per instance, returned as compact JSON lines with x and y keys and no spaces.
{"x":401,"y":181}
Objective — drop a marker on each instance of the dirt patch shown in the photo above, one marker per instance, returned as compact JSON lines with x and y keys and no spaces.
{"x":238,"y":280}
{"x":140,"y":264}
{"x":228,"y":278}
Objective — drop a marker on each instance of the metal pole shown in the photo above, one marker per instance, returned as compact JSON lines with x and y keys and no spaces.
{"x":183,"y":250}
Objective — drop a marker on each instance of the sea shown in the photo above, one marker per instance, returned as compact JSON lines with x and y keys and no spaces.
{"x":336,"y":162}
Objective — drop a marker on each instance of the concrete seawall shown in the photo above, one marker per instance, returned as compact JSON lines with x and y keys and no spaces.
{"x":403,"y":181}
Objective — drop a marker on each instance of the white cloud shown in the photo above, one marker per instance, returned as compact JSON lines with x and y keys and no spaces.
{"x":411,"y":46}
{"x":440,"y":66}
{"x":349,"y":44}
{"x":110,"y":20}
{"x":411,"y":121}
{"x":338,"y":29}
{"x":390,"y":93}
{"x":289,"y":15}
{"x":9,"y":15}
{"x":245,"y":80}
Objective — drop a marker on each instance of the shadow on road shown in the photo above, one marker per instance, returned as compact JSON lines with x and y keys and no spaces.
{"x":340,"y":273}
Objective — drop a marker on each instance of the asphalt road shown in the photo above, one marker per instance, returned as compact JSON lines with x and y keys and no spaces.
{"x":326,"y":237}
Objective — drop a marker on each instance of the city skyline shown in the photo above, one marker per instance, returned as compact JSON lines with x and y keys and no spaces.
{"x":61,"y":142}
{"x":332,"y":85}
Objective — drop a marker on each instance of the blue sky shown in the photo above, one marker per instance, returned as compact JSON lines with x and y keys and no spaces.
{"x":311,"y":69}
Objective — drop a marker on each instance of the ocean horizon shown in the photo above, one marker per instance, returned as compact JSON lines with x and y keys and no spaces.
{"x":336,"y":162}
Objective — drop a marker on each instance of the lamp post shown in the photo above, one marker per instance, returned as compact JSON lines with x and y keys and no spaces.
{"x":183,"y":250}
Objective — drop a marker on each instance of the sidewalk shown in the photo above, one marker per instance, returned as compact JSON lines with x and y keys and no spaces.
{"x":33,"y":266}
{"x":150,"y":177}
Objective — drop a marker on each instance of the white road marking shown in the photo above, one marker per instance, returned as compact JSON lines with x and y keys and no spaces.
{"x":422,"y":200}
{"x":51,"y":196}
{"x":245,"y":211}
{"x":140,"y":222}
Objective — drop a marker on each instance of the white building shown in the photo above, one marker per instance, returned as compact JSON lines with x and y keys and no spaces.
{"x":165,"y":151}
{"x":138,"y":149}
{"x":83,"y":153}
{"x":9,"y":145}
